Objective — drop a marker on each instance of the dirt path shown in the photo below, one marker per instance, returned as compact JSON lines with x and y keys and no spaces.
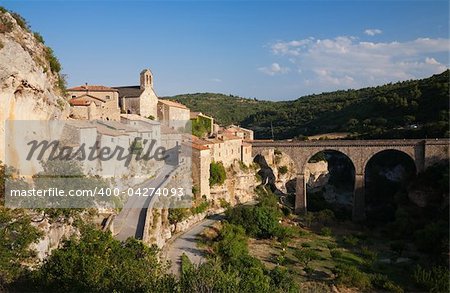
{"x":187,"y":243}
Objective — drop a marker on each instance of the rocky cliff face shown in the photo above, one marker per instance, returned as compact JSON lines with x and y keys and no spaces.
{"x":29,"y":76}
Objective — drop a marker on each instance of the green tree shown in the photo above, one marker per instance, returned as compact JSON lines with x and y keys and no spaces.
{"x":98,"y":263}
{"x":217,"y":174}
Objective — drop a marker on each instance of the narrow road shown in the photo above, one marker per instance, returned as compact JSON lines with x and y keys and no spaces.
{"x":131,"y":219}
{"x":187,"y":243}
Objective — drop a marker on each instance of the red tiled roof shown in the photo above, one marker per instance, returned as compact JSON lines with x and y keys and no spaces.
{"x":172,"y":104}
{"x":227,"y":136}
{"x":80,"y":101}
{"x":199,"y":147}
{"x":93,"y":88}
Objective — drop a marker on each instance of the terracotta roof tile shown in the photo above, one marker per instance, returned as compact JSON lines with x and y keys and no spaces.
{"x":93,"y":88}
{"x":172,"y":104}
{"x":80,"y":101}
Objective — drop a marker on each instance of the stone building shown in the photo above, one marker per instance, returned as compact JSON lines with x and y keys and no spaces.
{"x":244,"y":133}
{"x":246,"y":153}
{"x":140,"y":99}
{"x":90,"y":102}
{"x":173,"y":114}
{"x":201,"y":161}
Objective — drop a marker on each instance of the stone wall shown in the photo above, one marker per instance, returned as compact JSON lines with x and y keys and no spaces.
{"x":148,"y":103}
{"x":201,"y":160}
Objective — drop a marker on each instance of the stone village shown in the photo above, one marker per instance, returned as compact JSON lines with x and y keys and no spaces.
{"x":119,"y":115}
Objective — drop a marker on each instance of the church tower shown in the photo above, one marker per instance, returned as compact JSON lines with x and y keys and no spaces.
{"x":148,"y":100}
{"x":146,"y":79}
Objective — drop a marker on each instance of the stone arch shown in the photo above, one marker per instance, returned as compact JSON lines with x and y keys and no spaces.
{"x":405,"y":152}
{"x":339,"y":181}
{"x":379,"y":200}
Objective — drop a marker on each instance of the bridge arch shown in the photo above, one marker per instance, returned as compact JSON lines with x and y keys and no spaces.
{"x":387,"y":175}
{"x":333,"y":190}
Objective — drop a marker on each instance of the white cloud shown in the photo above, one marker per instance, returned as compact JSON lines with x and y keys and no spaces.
{"x":345,"y":62}
{"x":372,"y":31}
{"x":215,"y":79}
{"x":274,"y":69}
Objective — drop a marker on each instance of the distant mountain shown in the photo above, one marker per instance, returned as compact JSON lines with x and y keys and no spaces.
{"x":408,"y":109}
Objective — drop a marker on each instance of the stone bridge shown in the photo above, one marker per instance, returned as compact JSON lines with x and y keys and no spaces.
{"x":423,"y":152}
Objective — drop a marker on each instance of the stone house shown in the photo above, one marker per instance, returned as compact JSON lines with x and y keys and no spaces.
{"x":140,"y":99}
{"x":244,"y":133}
{"x":173,"y":114}
{"x":90,"y":102}
{"x":201,"y":161}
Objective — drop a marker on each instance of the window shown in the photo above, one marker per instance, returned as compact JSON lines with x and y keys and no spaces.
{"x":73,"y":96}
{"x":108,"y":97}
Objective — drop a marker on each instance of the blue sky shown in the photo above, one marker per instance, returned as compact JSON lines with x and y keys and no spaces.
{"x":264,"y":49}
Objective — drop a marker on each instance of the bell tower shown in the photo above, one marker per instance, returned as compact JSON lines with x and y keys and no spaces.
{"x":146,"y":79}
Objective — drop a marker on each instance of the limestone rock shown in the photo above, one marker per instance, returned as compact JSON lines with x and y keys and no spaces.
{"x":28,"y":88}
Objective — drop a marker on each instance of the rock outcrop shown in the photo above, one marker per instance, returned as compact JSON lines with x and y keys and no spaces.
{"x":29,"y":77}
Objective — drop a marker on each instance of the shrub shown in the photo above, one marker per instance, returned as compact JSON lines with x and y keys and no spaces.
{"x":177,"y":215}
{"x":261,"y":222}
{"x":282,"y":279}
{"x":266,"y":198}
{"x":350,"y":240}
{"x":351,"y":276}
{"x":336,"y":253}
{"x":55,"y":66}
{"x":232,"y":243}
{"x":429,"y":238}
{"x":217,"y":174}
{"x":39,"y":37}
{"x":202,"y":207}
{"x":223,"y":203}
{"x":284,"y":233}
{"x":369,"y":255}
{"x":331,"y":245}
{"x":382,"y":282}
{"x":433,"y":280}
{"x":325,"y":217}
{"x":282,"y":170}
{"x":20,"y":21}
{"x":325,"y":231}
{"x":305,"y":256}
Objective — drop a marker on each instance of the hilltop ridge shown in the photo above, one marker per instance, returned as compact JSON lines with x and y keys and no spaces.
{"x":408,"y":109}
